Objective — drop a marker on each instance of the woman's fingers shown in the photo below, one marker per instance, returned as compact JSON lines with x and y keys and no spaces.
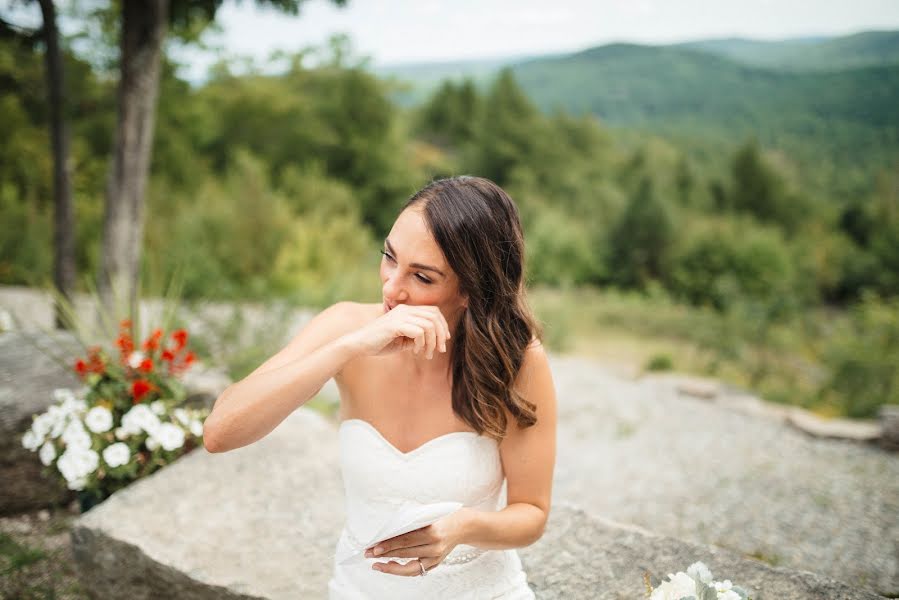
{"x":431,"y":319}
{"x":429,"y":336}
{"x":410,"y":569}
{"x":414,"y":332}
{"x":424,"y":550}
{"x":435,"y":332}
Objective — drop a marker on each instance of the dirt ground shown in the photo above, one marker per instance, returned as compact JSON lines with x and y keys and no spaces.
{"x":36,"y":561}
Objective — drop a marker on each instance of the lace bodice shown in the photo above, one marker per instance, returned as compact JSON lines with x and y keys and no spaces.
{"x":378,"y":479}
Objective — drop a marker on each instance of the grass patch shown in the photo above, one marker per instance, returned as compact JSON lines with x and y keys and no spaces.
{"x":782,"y":362}
{"x":771,"y":559}
{"x":16,"y":556}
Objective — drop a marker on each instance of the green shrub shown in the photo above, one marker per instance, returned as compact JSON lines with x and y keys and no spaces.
{"x":862,"y":355}
{"x":558,"y":250}
{"x":725,"y":261}
{"x":660,"y":362}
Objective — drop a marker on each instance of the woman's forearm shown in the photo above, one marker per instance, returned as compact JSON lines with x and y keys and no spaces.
{"x":251,"y":408}
{"x":517,"y":525}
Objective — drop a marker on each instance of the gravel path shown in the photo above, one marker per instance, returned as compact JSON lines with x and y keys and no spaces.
{"x":639,"y":452}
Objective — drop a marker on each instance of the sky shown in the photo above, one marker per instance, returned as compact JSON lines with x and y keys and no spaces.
{"x":411,"y":31}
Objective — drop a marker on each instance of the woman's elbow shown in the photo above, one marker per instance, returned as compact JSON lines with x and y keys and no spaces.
{"x":210,"y":439}
{"x":211,"y":428}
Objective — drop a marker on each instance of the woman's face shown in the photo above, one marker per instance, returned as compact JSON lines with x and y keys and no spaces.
{"x":405,"y":279}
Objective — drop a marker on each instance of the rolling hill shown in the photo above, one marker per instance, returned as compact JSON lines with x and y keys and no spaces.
{"x":824,"y":101}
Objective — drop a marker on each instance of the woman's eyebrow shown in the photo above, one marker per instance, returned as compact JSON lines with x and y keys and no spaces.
{"x":416,"y":265}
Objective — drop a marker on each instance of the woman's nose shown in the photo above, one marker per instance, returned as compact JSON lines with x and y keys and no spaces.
{"x":391,"y":289}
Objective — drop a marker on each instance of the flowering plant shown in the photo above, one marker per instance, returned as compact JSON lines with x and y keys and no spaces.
{"x":695,"y":584}
{"x":125,"y":423}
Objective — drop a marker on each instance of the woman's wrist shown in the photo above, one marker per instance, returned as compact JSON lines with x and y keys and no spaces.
{"x":466,"y":525}
{"x":349,"y":346}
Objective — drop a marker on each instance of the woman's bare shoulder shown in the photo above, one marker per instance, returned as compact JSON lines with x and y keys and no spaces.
{"x":362,"y":313}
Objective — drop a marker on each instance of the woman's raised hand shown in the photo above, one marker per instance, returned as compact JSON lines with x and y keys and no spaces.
{"x":419,"y":328}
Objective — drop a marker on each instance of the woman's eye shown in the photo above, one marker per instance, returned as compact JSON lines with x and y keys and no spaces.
{"x":420,"y":278}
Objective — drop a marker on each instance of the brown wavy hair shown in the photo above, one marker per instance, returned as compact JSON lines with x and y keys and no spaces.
{"x":478,"y":228}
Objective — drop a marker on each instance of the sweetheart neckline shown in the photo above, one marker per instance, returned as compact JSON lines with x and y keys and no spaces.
{"x":390,"y":445}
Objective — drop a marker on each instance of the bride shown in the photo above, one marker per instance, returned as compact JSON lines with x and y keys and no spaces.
{"x":445,"y":396}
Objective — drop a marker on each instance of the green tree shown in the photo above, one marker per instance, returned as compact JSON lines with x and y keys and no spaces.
{"x":642,"y":240}
{"x":760,"y":190}
{"x":507,"y":136}
{"x":452,"y":114}
{"x":143,"y":28}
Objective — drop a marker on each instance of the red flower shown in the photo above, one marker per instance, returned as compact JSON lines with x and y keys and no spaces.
{"x":94,"y":363}
{"x":152,"y":342}
{"x":125,"y":345}
{"x":168,"y":355}
{"x":183,"y":364}
{"x":140,"y":388}
{"x":146,"y":365}
{"x":180,"y":337}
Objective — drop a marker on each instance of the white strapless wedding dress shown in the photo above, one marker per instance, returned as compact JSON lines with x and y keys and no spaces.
{"x":378,"y":479}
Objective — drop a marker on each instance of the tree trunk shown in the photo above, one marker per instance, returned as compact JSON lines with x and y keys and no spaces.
{"x":63,"y":213}
{"x":144,"y":25}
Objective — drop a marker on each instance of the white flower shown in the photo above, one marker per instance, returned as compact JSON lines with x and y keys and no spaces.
{"x":169,"y":436}
{"x":117,"y":454}
{"x":42,"y":425}
{"x":76,"y":435}
{"x":181,"y":415}
{"x":75,"y":464}
{"x":121,"y":433}
{"x":67,"y":404}
{"x":680,"y":585}
{"x":98,"y":419}
{"x":722,"y":586}
{"x":196,"y":428}
{"x":62,"y":394}
{"x":699,"y":571}
{"x":47,"y":453}
{"x":158,"y":407}
{"x":58,"y":420}
{"x":135,"y":359}
{"x":140,"y":418}
{"x":728,"y":595}
{"x":78,"y":483}
{"x":152,"y":443}
{"x":31,"y":440}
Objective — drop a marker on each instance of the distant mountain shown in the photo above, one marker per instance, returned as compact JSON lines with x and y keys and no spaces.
{"x":632,"y":84}
{"x":424,"y":78}
{"x":867,"y":49}
{"x":820,"y":99}
{"x":848,"y":116}
{"x":424,"y":71}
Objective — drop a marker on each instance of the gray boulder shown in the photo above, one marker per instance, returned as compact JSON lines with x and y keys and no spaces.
{"x":262,"y":522}
{"x":28,"y":377}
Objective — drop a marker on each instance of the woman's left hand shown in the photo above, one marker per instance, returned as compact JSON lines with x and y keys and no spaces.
{"x":430,"y":544}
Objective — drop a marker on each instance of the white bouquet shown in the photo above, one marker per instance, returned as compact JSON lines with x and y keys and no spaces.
{"x":695,"y":584}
